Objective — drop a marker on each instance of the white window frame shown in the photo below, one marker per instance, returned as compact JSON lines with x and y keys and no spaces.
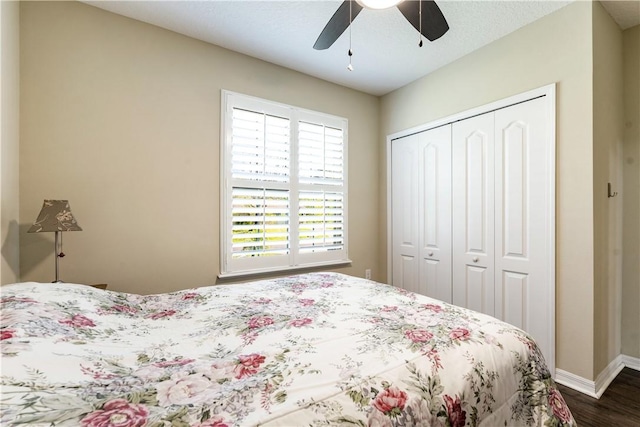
{"x":294,"y":260}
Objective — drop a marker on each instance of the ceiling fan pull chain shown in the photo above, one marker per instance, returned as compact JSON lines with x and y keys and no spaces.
{"x":350,"y":67}
{"x":420,"y":31}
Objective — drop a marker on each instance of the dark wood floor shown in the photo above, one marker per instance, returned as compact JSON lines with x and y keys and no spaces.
{"x":619,"y":405}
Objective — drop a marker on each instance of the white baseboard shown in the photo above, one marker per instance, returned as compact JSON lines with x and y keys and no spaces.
{"x":597,"y":388}
{"x":631,"y":362}
{"x":576,"y":382}
{"x":608,"y":374}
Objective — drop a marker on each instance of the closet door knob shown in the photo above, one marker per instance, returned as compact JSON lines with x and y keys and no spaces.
{"x":475,"y":259}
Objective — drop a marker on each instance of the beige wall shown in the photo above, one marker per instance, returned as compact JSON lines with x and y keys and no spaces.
{"x":123,"y":119}
{"x":9,"y":140}
{"x":608,"y":129}
{"x":631,"y":195}
{"x":556,"y":48}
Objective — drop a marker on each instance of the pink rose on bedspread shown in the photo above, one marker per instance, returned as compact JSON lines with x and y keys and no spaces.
{"x":117,"y":412}
{"x":5,"y":334}
{"x":298,"y":323}
{"x":161,"y":314}
{"x":559,"y":406}
{"x":149,"y":373}
{"x":389,"y":308}
{"x":455,"y":413}
{"x":248,"y":365}
{"x":306,"y":302}
{"x":124,"y":309}
{"x":215,"y":421}
{"x":183,"y":389}
{"x":189,"y":295}
{"x":460,"y":334}
{"x":390,"y":401}
{"x":78,"y":321}
{"x":260,"y":322}
{"x":418,"y":335}
{"x":433,"y":307}
{"x":298,"y":287}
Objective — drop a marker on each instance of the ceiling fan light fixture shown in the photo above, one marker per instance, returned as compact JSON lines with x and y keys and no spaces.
{"x":378,"y":4}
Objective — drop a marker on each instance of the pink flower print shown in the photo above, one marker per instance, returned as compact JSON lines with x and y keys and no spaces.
{"x":306,"y":302}
{"x":215,"y":421}
{"x":248,"y":365}
{"x":262,"y":301}
{"x":326,"y":285}
{"x":174,"y":362}
{"x":260,"y":322}
{"x":78,"y":321}
{"x":433,"y":307}
{"x":390,"y":401}
{"x":298,"y":287}
{"x":124,"y":309}
{"x":5,"y":334}
{"x":389,"y":308}
{"x":301,"y":322}
{"x":184,"y":389}
{"x":455,"y":413}
{"x":161,"y":314}
{"x":189,"y":295}
{"x":117,"y":412}
{"x":418,"y":335}
{"x":559,"y":406}
{"x":461,"y":334}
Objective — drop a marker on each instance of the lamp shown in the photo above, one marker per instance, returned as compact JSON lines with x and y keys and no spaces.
{"x":55,"y":216}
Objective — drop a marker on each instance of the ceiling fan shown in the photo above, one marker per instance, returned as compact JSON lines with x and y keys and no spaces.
{"x":433,"y":25}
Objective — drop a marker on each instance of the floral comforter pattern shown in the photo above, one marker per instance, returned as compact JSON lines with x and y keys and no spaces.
{"x":318,"y":349}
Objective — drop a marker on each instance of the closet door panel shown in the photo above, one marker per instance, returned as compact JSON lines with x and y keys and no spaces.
{"x":435,"y":213}
{"x":523,"y":219}
{"x":473,"y":213}
{"x":405,"y":160}
{"x":478,"y":284}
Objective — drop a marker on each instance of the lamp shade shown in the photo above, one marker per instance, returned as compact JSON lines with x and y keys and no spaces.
{"x":55,"y":215}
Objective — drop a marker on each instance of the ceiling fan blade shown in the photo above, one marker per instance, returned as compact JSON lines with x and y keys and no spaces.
{"x":434,"y":25}
{"x":337,"y":24}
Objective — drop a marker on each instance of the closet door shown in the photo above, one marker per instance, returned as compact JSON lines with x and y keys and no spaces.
{"x":473,"y":213}
{"x":421,"y":213}
{"x":435,"y":214}
{"x":405,"y":211}
{"x":522,"y":219}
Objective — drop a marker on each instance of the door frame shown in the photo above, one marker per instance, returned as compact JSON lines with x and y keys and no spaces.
{"x":549,"y":94}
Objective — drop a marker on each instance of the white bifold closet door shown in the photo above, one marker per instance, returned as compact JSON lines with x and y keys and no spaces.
{"x":523,"y":243}
{"x":501,"y":209}
{"x":421,"y":208}
{"x":473,"y":213}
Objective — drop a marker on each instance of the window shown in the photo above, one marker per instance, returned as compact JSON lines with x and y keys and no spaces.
{"x":284,"y":189}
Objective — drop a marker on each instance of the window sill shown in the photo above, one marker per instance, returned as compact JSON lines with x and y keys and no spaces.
{"x":281,"y":269}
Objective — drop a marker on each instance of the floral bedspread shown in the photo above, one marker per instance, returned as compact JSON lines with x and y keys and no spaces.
{"x":318,"y":349}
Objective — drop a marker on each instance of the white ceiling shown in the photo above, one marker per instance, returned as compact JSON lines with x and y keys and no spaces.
{"x":385,"y":48}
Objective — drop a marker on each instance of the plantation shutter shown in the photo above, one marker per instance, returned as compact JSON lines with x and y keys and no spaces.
{"x":260,"y":212}
{"x":321,"y":164}
{"x":284,"y":187}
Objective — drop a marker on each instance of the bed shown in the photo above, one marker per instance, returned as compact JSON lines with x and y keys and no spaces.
{"x":319,"y":349}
